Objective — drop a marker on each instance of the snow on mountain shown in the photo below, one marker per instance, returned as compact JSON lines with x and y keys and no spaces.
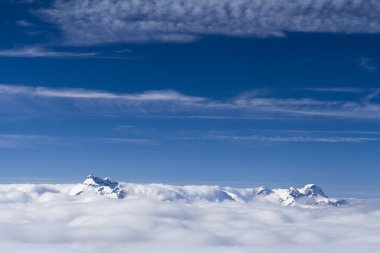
{"x":310,"y":195}
{"x":101,"y":186}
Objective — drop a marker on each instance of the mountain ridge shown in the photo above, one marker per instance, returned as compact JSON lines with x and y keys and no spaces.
{"x":309,"y":195}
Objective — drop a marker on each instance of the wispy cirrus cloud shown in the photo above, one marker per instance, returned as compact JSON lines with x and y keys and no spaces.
{"x":367,"y":64}
{"x":40,"y":52}
{"x":20,"y":99}
{"x":24,"y":23}
{"x":337,"y":89}
{"x":78,"y":93}
{"x":109,"y":21}
{"x":25,"y":140}
{"x":280,"y":138}
{"x":17,"y":141}
{"x":43,"y":52}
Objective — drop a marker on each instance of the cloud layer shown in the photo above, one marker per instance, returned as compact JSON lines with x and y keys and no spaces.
{"x":108,"y":21}
{"x":43,"y":218}
{"x":168,"y":103}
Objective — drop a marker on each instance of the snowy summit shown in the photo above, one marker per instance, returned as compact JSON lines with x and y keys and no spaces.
{"x":309,"y":195}
{"x":102,"y":186}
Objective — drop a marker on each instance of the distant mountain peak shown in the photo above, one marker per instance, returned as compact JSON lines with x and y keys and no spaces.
{"x":102,"y":186}
{"x":312,"y":190}
{"x":309,"y":195}
{"x":294,"y":192}
{"x":263,"y":191}
{"x":99,"y":182}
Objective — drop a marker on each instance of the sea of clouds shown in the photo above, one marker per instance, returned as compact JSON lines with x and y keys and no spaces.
{"x":45,"y":218}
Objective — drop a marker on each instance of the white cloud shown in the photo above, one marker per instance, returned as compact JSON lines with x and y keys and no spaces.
{"x":338,"y":90}
{"x":24,"y":23}
{"x":25,"y":141}
{"x":107,"y":21}
{"x":39,"y":52}
{"x":115,"y":140}
{"x":15,"y":141}
{"x":164,"y":95}
{"x":22,"y":141}
{"x":43,"y":218}
{"x":165,"y":103}
{"x":367,"y":64}
{"x":282,"y":138}
{"x":281,"y":135}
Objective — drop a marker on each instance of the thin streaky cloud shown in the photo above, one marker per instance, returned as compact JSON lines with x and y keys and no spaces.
{"x":338,"y":90}
{"x":15,"y":141}
{"x":24,"y":23}
{"x":163,"y":103}
{"x":263,"y":138}
{"x":295,"y":131}
{"x":118,"y":140}
{"x":25,"y":141}
{"x":375,"y":93}
{"x":161,"y":95}
{"x":367,"y":64}
{"x":39,"y":52}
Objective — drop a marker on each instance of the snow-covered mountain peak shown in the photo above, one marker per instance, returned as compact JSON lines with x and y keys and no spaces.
{"x":263,"y":191}
{"x":309,"y":195}
{"x":102,"y":186}
{"x":295,"y":193}
{"x":312,"y":190}
{"x":94,"y":181}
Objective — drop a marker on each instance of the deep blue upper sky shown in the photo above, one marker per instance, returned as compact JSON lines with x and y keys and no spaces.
{"x":145,"y":93}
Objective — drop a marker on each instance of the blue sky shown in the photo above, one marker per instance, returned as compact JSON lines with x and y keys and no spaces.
{"x":234,"y":92}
